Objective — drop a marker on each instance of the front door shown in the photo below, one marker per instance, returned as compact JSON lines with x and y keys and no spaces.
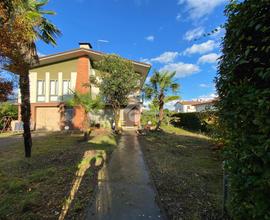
{"x":131,"y":117}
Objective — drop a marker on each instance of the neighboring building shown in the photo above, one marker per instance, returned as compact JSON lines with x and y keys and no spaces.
{"x":203,"y":106}
{"x":185,"y":106}
{"x":195,"y":106}
{"x":56,"y":76}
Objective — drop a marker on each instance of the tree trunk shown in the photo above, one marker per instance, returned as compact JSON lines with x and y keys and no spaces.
{"x":26,"y":112}
{"x":161,"y":113}
{"x":117,"y":118}
{"x":86,"y":130}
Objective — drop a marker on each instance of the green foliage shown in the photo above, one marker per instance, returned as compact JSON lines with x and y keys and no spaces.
{"x":118,"y":80}
{"x":160,"y":86}
{"x":8,"y":109}
{"x":152,"y":114}
{"x":190,"y":121}
{"x":244,"y":106}
{"x":86,"y":101}
{"x":161,"y":82}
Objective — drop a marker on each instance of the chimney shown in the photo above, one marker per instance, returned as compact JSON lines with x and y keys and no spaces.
{"x":85,"y":45}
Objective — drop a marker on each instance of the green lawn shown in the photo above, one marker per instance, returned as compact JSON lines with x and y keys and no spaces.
{"x":186,"y":171}
{"x":57,"y":174}
{"x":9,"y":134}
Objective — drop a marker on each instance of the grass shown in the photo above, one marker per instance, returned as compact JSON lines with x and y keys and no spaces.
{"x":9,"y":134}
{"x":186,"y":171}
{"x":37,"y":188}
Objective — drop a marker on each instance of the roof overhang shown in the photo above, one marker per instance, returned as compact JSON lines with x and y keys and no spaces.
{"x":142,"y":68}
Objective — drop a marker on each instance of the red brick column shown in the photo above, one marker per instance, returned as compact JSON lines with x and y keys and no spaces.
{"x":83,"y":67}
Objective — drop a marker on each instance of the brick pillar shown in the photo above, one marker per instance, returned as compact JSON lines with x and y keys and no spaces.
{"x":83,"y":67}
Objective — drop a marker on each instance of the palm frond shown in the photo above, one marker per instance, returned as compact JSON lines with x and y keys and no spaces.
{"x":175,"y":87}
{"x":171,"y":98}
{"x":48,"y":32}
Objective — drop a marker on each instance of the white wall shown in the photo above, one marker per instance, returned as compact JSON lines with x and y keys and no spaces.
{"x":184,"y":108}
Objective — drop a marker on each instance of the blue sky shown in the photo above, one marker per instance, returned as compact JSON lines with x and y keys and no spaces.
{"x":166,"y":33}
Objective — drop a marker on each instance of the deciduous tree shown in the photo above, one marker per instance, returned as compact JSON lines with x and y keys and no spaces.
{"x":118,"y":81}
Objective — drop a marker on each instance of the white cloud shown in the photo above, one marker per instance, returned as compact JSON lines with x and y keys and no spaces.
{"x":181,"y":69}
{"x":104,"y":41}
{"x":201,"y":48}
{"x":200,"y":8}
{"x":208,"y":58}
{"x":208,"y":97}
{"x":203,"y":85}
{"x":178,"y":17}
{"x":194,"y":33}
{"x":166,"y":57}
{"x":145,"y":60}
{"x":150,"y":38}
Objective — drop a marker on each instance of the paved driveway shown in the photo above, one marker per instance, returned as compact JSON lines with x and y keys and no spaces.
{"x":124,"y":189}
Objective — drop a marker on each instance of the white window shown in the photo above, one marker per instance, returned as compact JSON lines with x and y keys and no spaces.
{"x":54,"y":87}
{"x":66,"y":87}
{"x":41,"y":90}
{"x":54,"y":90}
{"x":41,"y":87}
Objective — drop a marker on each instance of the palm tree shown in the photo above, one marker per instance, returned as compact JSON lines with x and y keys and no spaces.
{"x":89,"y":104}
{"x":23,"y":22}
{"x":161,"y":83}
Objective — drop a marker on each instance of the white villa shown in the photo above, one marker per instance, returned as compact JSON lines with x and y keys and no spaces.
{"x":195,"y":106}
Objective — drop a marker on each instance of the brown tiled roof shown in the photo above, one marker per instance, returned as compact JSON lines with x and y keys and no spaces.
{"x":197,"y":102}
{"x":188,"y":102}
{"x":206,"y":102}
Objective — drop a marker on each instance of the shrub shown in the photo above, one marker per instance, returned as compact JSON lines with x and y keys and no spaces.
{"x":243,"y":85}
{"x":8,"y":109}
{"x":190,"y":121}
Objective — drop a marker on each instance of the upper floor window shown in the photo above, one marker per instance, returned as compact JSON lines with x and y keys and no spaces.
{"x":53,"y":87}
{"x":54,"y":90}
{"x":66,"y":87}
{"x":41,"y":87}
{"x":41,"y":90}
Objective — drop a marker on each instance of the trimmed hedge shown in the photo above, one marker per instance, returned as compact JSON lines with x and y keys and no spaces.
{"x":243,"y":85}
{"x":191,"y":121}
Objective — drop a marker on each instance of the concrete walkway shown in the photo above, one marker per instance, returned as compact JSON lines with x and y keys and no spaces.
{"x":124,"y":190}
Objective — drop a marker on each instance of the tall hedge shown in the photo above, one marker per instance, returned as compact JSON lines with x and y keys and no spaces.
{"x":190,"y":121}
{"x":243,"y":84}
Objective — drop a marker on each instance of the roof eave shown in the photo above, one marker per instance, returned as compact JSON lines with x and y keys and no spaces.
{"x":75,"y":53}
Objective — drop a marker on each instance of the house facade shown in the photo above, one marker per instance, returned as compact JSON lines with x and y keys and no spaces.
{"x":185,"y":106}
{"x":56,"y":76}
{"x":195,"y":106}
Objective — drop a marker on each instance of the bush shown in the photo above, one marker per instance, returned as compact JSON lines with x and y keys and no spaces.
{"x":8,"y":109}
{"x":243,"y":85}
{"x":191,"y":121}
